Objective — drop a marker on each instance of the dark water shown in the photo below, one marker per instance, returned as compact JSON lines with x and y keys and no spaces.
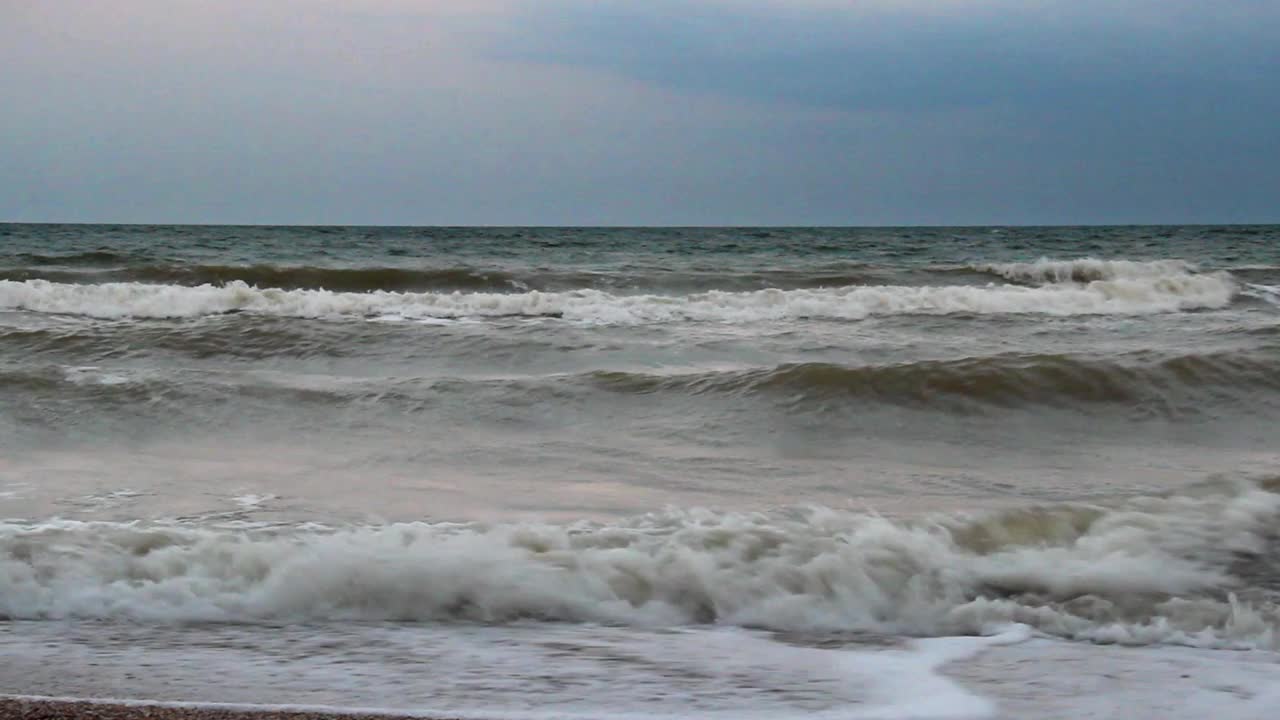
{"x":822,"y":431}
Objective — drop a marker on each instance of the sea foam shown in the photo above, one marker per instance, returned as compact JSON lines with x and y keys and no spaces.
{"x":1134,"y":288}
{"x":1048,"y":270}
{"x":1189,"y":568}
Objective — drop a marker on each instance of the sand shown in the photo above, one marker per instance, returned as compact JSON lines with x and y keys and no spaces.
{"x":19,"y":708}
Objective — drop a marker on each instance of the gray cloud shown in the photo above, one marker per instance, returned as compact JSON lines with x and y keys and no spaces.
{"x":693,"y":111}
{"x":877,"y":57}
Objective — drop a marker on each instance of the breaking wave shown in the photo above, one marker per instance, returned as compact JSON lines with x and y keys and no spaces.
{"x":1086,"y":270}
{"x":1195,"y":567}
{"x":1121,"y":295}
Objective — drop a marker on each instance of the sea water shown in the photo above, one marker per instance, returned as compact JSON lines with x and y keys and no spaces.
{"x":731,"y":472}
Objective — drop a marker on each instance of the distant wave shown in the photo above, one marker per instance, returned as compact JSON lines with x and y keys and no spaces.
{"x":102,"y":267}
{"x":459,"y":278}
{"x":1122,"y":295}
{"x":87,"y":257}
{"x":284,"y":277}
{"x":1193,"y":567}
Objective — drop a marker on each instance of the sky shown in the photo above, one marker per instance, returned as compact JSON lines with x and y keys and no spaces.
{"x":654,"y":112}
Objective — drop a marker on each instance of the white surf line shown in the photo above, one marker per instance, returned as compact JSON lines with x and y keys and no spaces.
{"x":1123,"y":295}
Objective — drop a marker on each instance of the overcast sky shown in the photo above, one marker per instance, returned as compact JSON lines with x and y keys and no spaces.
{"x":640,"y":111}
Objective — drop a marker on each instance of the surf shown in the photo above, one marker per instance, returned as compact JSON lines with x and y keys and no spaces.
{"x":1120,"y":296}
{"x":1196,"y":567}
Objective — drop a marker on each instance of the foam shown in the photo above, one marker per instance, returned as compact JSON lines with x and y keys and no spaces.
{"x":1175,"y":569}
{"x":1073,"y":680}
{"x":251,"y":501}
{"x":1266,"y":293}
{"x":1122,"y":294}
{"x":910,"y":687}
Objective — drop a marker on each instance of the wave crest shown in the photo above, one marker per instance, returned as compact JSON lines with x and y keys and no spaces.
{"x":1140,"y":385}
{"x":461,"y":277}
{"x":1163,"y":386}
{"x":1085,"y":270}
{"x":1143,"y":295}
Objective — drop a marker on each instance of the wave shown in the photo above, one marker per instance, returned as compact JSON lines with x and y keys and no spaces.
{"x":1140,"y":385}
{"x":408,"y":279}
{"x":1263,"y":274}
{"x":219,"y":336}
{"x":1140,"y":382}
{"x":1196,"y":567}
{"x":1124,"y":296}
{"x":286,"y":277}
{"x":467,"y":278}
{"x":87,"y":257}
{"x":1085,"y":270}
{"x":161,"y":392}
{"x":1269,"y":294}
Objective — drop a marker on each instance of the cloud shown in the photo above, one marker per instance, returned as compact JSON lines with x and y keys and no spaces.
{"x":670,"y":112}
{"x":907,"y":56}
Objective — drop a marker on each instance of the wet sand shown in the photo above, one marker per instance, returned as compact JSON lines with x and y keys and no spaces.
{"x":1035,"y":680}
{"x":22,"y":708}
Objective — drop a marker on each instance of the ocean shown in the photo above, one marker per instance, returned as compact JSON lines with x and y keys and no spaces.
{"x":644,"y":472}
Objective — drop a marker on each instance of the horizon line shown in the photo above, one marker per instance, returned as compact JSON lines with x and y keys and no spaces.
{"x":629,"y":226}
